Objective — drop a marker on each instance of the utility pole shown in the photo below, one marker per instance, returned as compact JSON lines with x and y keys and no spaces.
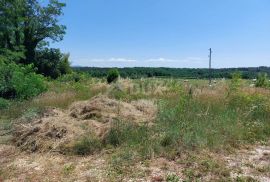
{"x":210,"y":67}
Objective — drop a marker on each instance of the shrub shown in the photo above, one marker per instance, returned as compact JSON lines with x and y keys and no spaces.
{"x":72,"y":77}
{"x":262,"y":80}
{"x":20,"y":82}
{"x":236,"y":81}
{"x":113,"y":75}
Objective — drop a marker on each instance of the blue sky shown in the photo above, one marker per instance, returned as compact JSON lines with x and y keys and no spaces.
{"x":167,"y":33}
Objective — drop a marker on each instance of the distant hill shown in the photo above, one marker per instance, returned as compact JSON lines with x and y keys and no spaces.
{"x":201,"y":73}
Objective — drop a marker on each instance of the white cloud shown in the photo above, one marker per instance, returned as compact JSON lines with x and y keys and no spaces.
{"x":121,"y":60}
{"x":165,"y":60}
{"x":151,"y":62}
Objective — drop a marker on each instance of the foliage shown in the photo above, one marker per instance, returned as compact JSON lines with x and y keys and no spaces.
{"x":4,"y":103}
{"x":72,"y":77}
{"x":8,"y":56}
{"x":52,"y":63}
{"x":236,"y":82}
{"x":188,"y":73}
{"x":262,"y":80}
{"x":26,"y":23}
{"x":113,"y":75}
{"x":20,"y":81}
{"x":27,"y":26}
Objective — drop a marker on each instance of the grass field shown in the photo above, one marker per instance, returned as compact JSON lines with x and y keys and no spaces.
{"x":196,"y":133}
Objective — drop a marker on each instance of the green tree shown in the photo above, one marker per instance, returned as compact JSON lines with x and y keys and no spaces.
{"x":113,"y":75}
{"x":51,"y":62}
{"x":24,"y":24}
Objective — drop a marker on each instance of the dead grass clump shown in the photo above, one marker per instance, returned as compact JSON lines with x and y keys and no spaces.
{"x":210,"y":95}
{"x":47,"y":133}
{"x":104,"y":110}
{"x":53,"y":99}
{"x":55,"y":129}
{"x":99,"y":88}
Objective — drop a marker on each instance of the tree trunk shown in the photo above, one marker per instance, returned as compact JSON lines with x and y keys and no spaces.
{"x":30,"y":45}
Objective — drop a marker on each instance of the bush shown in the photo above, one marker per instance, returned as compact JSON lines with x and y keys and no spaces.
{"x":73,"y":77}
{"x":236,"y":81}
{"x":20,"y":82}
{"x":112,"y":75}
{"x":262,"y":80}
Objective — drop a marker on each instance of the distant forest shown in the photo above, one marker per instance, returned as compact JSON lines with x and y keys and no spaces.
{"x":187,"y":73}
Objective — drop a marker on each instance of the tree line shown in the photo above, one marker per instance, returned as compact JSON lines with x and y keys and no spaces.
{"x":188,"y":73}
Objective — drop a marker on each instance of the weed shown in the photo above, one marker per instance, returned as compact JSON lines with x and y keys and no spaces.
{"x":172,"y":178}
{"x":87,"y":145}
{"x":121,"y":162}
{"x":245,"y":179}
{"x":30,"y":114}
{"x":68,"y":169}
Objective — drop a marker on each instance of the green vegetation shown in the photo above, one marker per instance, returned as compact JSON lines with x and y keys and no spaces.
{"x":52,"y":63}
{"x":113,"y":75}
{"x":20,"y":81}
{"x":193,"y":124}
{"x":262,"y":80}
{"x":187,"y":73}
{"x":26,"y":24}
{"x":172,"y":178}
{"x":26,"y":27}
{"x":4,"y":104}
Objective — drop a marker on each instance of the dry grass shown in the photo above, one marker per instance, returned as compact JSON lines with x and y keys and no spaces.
{"x":192,"y":131}
{"x":56,"y":129}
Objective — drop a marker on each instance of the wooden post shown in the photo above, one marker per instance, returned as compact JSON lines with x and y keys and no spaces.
{"x":210,"y":67}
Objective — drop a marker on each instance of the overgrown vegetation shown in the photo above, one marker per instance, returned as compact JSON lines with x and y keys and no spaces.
{"x":191,"y":119}
{"x":20,"y":82}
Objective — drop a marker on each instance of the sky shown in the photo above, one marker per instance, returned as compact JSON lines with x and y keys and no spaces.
{"x":167,"y":33}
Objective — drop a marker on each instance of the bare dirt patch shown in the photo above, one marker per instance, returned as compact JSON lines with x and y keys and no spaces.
{"x":251,"y":163}
{"x":20,"y":166}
